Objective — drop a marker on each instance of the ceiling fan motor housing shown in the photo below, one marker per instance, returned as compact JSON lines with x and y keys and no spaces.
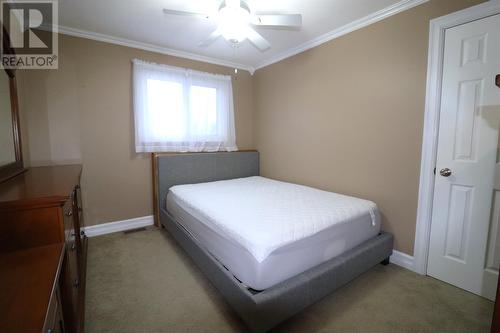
{"x":235,"y":3}
{"x":233,"y":20}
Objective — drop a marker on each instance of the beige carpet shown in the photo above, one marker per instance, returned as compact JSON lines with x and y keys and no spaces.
{"x":143,"y":282}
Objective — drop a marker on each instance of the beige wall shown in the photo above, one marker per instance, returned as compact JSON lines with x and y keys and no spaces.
{"x":82,"y":113}
{"x":347,"y":116}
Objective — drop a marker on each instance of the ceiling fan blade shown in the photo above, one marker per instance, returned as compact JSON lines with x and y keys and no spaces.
{"x":278,"y":20}
{"x":183,"y":13}
{"x":256,"y":39}
{"x":211,"y":38}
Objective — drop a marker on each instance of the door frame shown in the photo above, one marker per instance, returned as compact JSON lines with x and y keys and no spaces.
{"x":437,"y":31}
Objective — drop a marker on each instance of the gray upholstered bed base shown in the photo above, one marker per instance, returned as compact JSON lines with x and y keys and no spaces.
{"x":265,"y":309}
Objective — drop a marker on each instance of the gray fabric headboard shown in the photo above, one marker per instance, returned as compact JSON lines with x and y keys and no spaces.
{"x":177,"y":169}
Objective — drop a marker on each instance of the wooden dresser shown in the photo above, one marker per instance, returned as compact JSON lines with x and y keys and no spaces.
{"x":29,"y":287}
{"x":42,"y":207}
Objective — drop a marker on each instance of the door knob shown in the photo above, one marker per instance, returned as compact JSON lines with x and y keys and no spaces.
{"x":445,"y":172}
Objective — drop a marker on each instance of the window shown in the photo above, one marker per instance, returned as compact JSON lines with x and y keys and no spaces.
{"x":178,"y":109}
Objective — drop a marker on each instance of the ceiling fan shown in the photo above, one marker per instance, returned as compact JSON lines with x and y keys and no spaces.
{"x":234,"y":19}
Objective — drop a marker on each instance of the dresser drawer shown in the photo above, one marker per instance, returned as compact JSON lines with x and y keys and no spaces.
{"x":54,"y":320}
{"x":70,"y":287}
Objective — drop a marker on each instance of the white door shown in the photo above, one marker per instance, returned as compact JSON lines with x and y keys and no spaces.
{"x":465,"y":233}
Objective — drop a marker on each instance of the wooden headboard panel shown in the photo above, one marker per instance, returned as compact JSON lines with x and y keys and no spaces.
{"x":171,"y":169}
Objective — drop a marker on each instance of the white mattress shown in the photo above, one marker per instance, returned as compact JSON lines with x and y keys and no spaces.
{"x":266,"y":231}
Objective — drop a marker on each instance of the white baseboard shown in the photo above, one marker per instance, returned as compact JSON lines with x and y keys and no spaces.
{"x":398,"y":258}
{"x":108,"y":228}
{"x":402,"y":259}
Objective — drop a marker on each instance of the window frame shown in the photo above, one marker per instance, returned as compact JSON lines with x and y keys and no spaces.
{"x":224,"y":138}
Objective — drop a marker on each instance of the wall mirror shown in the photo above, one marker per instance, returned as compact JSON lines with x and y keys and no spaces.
{"x":11,"y":159}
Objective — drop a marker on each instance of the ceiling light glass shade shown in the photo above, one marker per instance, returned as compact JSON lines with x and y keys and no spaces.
{"x":233,"y":23}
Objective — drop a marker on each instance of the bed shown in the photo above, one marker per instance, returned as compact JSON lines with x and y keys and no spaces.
{"x":271,"y":248}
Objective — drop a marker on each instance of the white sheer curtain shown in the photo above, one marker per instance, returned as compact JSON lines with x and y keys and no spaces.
{"x":181,"y":110}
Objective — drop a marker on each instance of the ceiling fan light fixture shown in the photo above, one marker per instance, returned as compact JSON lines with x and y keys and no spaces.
{"x":233,"y":21}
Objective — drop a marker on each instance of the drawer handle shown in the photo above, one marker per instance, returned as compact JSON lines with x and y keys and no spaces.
{"x":69,"y":213}
{"x":76,"y":284}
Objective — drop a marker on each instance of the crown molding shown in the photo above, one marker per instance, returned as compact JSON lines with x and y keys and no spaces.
{"x":150,"y":47}
{"x":350,"y":27}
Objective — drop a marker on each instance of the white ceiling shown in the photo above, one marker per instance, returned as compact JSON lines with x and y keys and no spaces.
{"x":143,"y":21}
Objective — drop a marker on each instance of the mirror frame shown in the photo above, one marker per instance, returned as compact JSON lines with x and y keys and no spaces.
{"x":10,"y":170}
